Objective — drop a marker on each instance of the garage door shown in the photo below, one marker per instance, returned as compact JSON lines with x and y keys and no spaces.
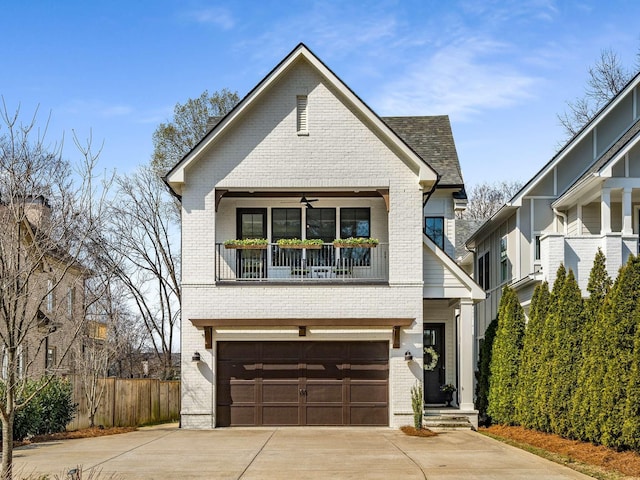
{"x":302,"y":383}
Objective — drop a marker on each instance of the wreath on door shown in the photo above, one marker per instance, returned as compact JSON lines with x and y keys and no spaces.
{"x":433,"y":355}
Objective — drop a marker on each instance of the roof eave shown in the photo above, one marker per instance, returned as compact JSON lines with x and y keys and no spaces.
{"x":427,"y":175}
{"x":500,"y":216}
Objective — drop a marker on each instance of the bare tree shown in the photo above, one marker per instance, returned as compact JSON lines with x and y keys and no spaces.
{"x":142,"y":248}
{"x":606,"y":78}
{"x":46,"y":220}
{"x":485,"y":199}
{"x":99,"y":345}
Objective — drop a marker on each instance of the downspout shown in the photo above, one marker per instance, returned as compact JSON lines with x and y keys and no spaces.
{"x":427,"y":195}
{"x":564,"y":217}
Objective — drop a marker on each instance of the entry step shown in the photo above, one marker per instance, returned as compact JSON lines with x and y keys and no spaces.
{"x":446,"y":422}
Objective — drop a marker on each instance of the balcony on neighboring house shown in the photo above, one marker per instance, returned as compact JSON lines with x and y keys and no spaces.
{"x":324,"y":263}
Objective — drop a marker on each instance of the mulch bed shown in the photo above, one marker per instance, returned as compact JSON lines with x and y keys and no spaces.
{"x":626,"y":463}
{"x":417,"y":432}
{"x":82,"y":433}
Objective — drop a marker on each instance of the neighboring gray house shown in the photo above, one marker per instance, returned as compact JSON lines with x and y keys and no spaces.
{"x":586,"y":197}
{"x":325,"y":335}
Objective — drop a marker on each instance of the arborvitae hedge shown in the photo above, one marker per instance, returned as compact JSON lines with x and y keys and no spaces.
{"x":531,"y":360}
{"x":620,"y":331}
{"x":585,"y":403}
{"x":631,"y":425}
{"x":566,"y":355}
{"x":543,"y":378}
{"x":579,"y":367}
{"x":483,"y":373}
{"x":505,"y":359}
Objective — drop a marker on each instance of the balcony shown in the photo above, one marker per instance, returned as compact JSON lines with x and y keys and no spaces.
{"x":323,"y":264}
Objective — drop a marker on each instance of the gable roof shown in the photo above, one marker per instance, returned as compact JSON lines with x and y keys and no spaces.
{"x":175,"y":177}
{"x":601,"y":164}
{"x":572,"y":142}
{"x":431,"y":138}
{"x":597,"y":164}
{"x":465,"y":281}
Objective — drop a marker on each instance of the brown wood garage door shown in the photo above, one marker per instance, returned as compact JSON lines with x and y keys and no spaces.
{"x":302,"y":383}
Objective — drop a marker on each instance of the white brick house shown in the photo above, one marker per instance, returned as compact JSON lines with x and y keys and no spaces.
{"x":319,"y":336}
{"x":586,"y":197}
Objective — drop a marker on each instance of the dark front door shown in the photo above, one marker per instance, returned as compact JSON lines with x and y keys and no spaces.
{"x":302,"y":383}
{"x":251,"y":223}
{"x":434,"y":373}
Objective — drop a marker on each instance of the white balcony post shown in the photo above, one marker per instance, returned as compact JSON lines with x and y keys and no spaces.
{"x":466,"y":364}
{"x":605,"y":211}
{"x":627,"y":223}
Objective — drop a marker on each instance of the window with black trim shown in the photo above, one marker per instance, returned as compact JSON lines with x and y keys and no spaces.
{"x":536,"y":247}
{"x":504,"y":264}
{"x":356,"y":222}
{"x":434,"y":229}
{"x":321,"y":224}
{"x":50,"y":297}
{"x":285,"y":223}
{"x":484,"y":270}
{"x":51,"y":358}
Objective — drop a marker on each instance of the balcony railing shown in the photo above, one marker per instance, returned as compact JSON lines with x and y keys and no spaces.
{"x":325,"y":264}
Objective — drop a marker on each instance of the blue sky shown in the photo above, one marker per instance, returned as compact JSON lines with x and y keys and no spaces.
{"x":501,"y":70}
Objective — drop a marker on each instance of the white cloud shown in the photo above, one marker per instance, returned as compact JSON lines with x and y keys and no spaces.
{"x":96,"y":107}
{"x":219,"y":17}
{"x":116,"y":111}
{"x":461,"y":80}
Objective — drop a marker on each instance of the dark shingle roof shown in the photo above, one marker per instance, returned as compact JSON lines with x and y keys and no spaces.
{"x":464,"y":228}
{"x":432,"y":139}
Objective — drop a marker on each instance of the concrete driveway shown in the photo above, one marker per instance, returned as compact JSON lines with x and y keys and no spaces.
{"x":165,"y":452}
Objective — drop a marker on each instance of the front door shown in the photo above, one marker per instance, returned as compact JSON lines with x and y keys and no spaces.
{"x":434,"y":374}
{"x":251,"y":223}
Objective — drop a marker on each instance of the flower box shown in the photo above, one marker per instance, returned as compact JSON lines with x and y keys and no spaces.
{"x":355,"y":243}
{"x":248,"y":244}
{"x":311,"y":244}
{"x":246,"y":247}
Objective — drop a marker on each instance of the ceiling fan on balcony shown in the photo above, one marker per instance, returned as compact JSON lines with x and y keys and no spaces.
{"x":308,"y":201}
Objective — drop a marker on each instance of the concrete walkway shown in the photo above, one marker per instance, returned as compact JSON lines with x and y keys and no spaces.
{"x":165,"y":452}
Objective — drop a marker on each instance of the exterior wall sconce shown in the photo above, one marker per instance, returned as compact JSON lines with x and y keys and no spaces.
{"x":408,"y":357}
{"x":195,"y":357}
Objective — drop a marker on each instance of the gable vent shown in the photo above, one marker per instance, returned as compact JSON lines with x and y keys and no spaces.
{"x":302,"y":125}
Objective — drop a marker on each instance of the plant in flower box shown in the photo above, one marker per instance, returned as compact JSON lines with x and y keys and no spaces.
{"x":356,"y":242}
{"x":311,"y":243}
{"x":247,"y":244}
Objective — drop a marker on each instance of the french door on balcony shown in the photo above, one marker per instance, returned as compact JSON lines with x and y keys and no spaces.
{"x":251,"y":223}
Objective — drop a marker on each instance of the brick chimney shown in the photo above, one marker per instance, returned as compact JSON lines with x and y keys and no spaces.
{"x":37,"y":210}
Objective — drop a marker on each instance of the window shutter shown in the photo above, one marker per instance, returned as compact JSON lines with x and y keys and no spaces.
{"x":302,"y":114}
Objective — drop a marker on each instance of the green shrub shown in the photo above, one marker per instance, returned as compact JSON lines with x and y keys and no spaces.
{"x":48,"y":412}
{"x":531,"y":360}
{"x":543,"y":379}
{"x":483,"y":373}
{"x":505,"y":359}
{"x":621,"y":329}
{"x":585,"y":402}
{"x":417,"y":404}
{"x":567,"y":355}
{"x":57,"y":407}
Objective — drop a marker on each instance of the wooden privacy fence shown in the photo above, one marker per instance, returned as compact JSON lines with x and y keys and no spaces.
{"x":129,"y":402}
